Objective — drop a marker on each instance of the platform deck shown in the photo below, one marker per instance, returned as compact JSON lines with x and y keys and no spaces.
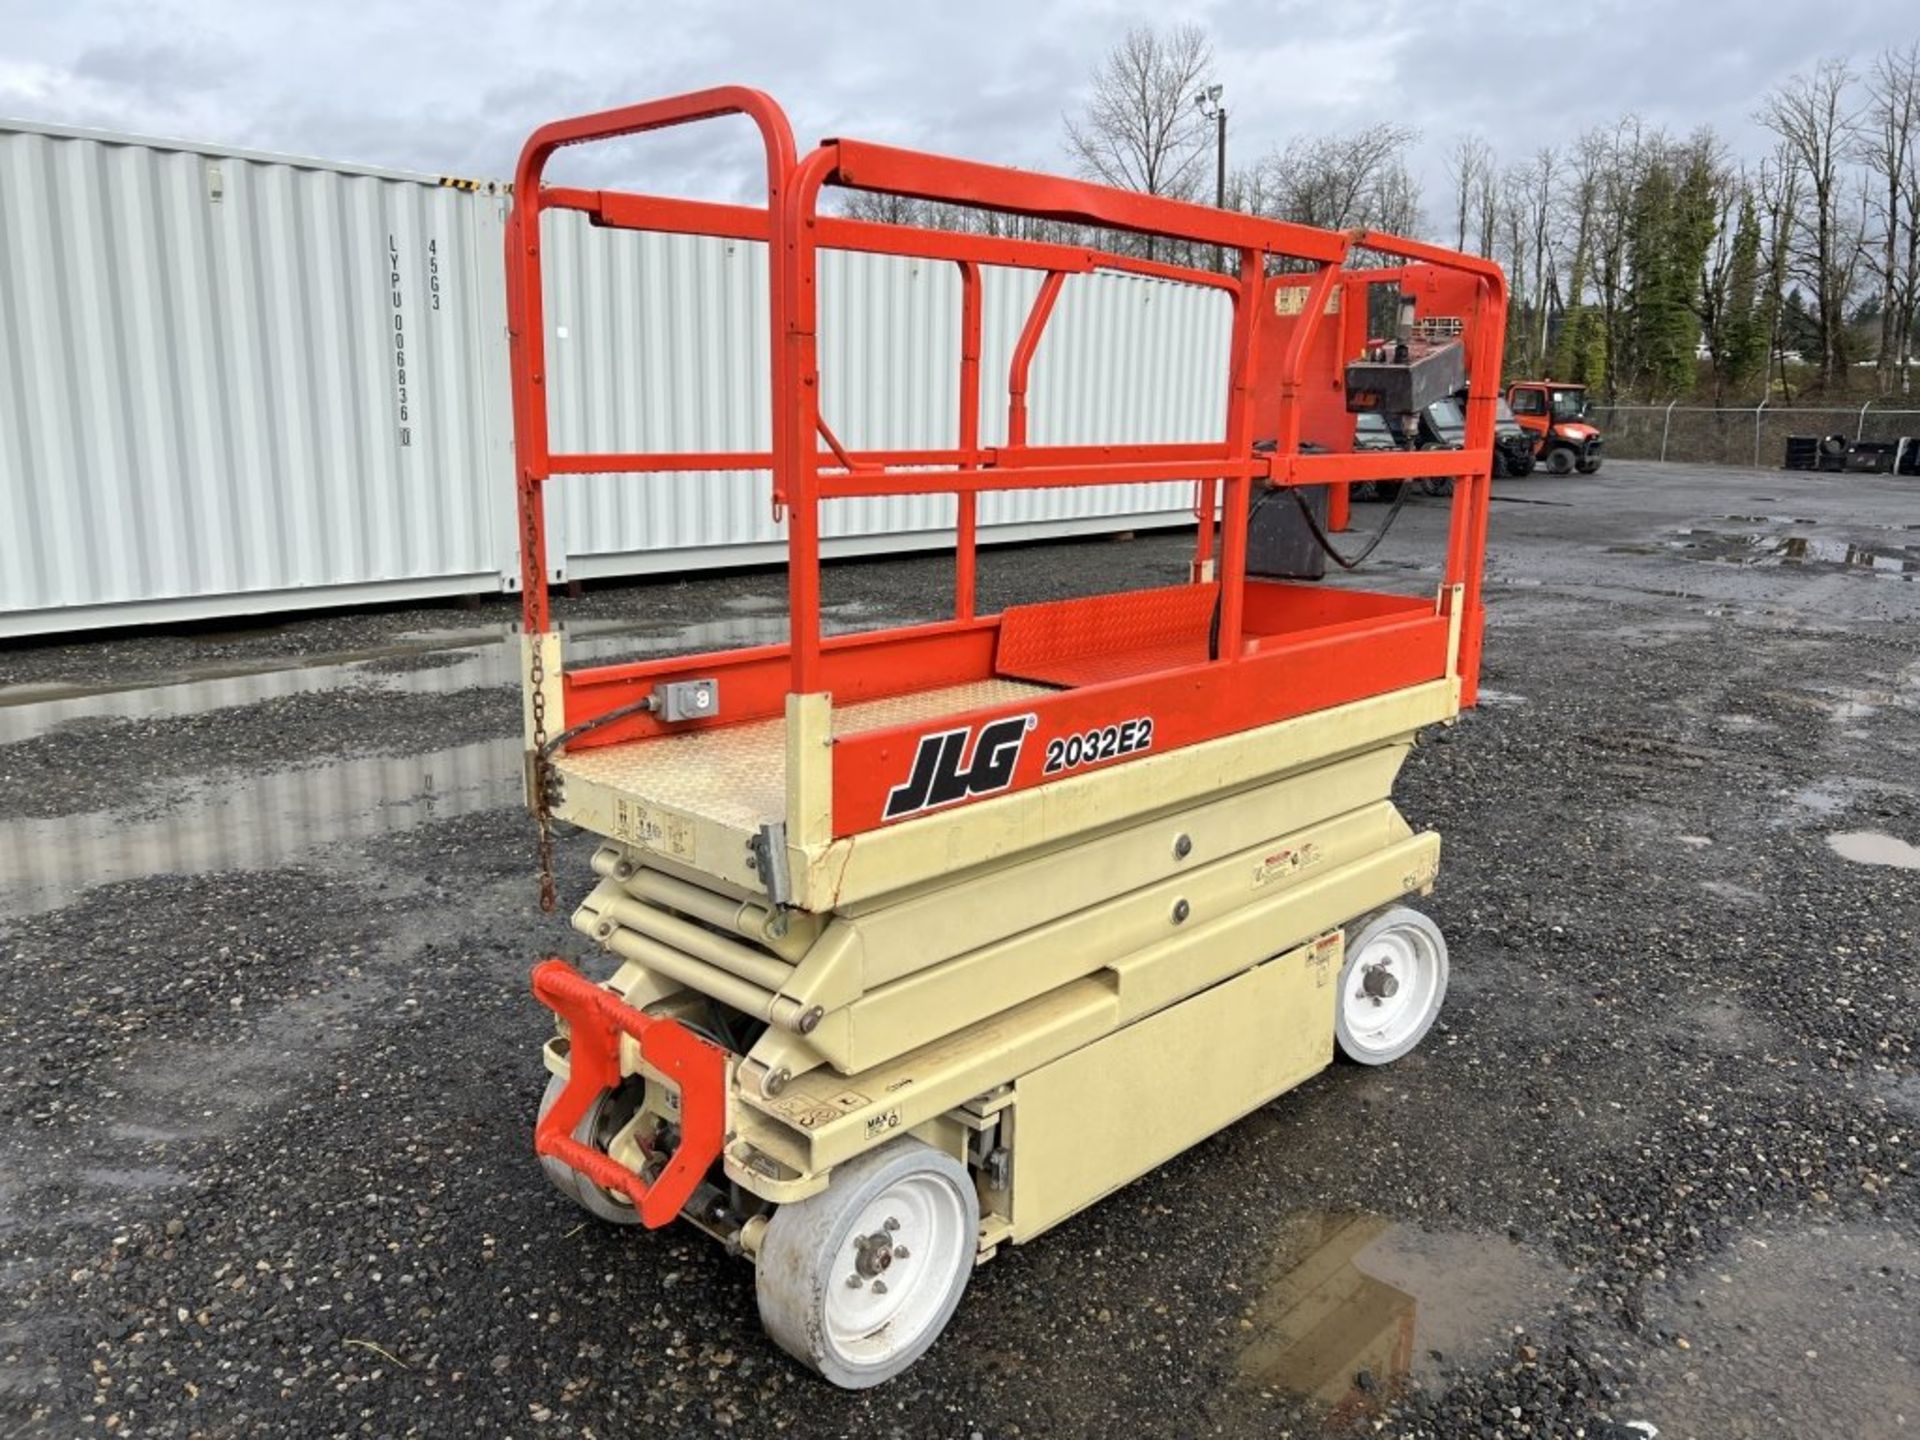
{"x":735,"y":775}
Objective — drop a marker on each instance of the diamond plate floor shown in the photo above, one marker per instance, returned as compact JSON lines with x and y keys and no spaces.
{"x":737,"y":775}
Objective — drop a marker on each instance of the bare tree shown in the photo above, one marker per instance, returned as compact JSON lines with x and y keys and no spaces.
{"x":1811,"y":113}
{"x":887,"y":209}
{"x":1247,"y":191}
{"x":1489,"y":207}
{"x":1910,"y":288}
{"x":1543,"y":178}
{"x":1140,"y":129}
{"x":1517,"y":241}
{"x":1471,"y":159}
{"x":1779,"y":191}
{"x":1527,"y":210}
{"x":1621,"y":156}
{"x":1341,"y":181}
{"x":1579,"y":201}
{"x":1885,"y":144}
{"x":1396,"y":202}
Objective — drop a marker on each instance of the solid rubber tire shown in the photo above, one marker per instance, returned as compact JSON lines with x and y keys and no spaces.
{"x":569,"y":1182}
{"x":795,"y":1263}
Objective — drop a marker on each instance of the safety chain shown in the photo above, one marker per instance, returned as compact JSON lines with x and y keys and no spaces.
{"x":542,"y":774}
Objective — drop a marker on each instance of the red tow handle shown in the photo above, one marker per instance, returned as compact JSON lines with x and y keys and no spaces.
{"x":596,"y":1018}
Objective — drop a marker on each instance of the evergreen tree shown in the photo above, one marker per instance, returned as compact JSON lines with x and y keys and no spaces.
{"x":1656,"y":340}
{"x":1671,"y":230}
{"x":1742,"y":354}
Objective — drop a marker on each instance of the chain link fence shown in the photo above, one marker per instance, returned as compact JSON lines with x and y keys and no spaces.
{"x":1755,"y":436}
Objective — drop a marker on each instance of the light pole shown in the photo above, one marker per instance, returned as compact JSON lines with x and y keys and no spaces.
{"x":1207,"y":102}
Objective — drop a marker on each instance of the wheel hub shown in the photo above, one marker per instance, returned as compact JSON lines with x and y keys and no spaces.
{"x":873,"y":1254}
{"x":1380,"y":983}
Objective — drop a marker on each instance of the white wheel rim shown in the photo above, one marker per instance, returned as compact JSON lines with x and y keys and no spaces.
{"x":1390,"y":988}
{"x":894,"y":1269}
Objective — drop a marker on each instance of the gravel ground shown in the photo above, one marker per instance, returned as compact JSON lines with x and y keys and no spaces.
{"x":264,"y":1115}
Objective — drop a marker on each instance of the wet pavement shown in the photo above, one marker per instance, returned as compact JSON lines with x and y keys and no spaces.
{"x":163,"y":812}
{"x":266,"y":909}
{"x":1884,"y":561}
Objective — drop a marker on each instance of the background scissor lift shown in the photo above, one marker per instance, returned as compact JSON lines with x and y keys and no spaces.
{"x":928,"y":937}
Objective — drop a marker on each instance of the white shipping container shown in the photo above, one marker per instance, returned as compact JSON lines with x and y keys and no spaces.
{"x":234,"y":383}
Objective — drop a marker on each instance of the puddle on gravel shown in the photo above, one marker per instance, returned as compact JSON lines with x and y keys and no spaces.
{"x":1891,"y":562}
{"x":204,"y":825}
{"x":1354,"y":1307}
{"x":252,"y":822}
{"x":419,"y":663}
{"x":1871,"y":847}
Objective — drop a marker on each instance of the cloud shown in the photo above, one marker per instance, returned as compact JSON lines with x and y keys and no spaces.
{"x":444,"y":87}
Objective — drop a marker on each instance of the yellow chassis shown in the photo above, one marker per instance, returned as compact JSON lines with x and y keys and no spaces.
{"x":1061,"y":988}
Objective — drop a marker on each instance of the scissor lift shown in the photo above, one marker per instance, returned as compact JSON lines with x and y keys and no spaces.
{"x":928,"y":937}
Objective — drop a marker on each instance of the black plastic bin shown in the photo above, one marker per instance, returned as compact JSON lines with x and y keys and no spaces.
{"x":1280,"y":546}
{"x":1803,"y":452}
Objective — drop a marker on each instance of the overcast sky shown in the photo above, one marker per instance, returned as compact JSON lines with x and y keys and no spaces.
{"x":453,"y":88}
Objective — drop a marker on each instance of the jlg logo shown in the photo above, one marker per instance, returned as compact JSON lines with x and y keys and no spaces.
{"x":944,"y":772}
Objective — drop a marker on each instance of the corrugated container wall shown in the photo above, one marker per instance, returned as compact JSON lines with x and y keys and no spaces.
{"x":235,"y":383}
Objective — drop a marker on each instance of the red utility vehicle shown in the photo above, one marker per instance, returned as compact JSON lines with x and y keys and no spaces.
{"x":1555,"y":414}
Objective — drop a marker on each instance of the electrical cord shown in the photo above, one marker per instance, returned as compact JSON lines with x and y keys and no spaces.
{"x":638,"y":707}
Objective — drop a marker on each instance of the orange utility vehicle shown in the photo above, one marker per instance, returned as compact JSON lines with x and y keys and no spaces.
{"x":924,"y":938}
{"x":1555,"y":414}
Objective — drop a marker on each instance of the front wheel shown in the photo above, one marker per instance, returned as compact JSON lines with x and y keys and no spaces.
{"x":604,"y":1119}
{"x":859,"y":1280}
{"x":1560,"y":461}
{"x":1588,"y":467}
{"x":1391,"y":987}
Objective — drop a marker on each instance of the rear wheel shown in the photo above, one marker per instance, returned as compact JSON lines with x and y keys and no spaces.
{"x":858,"y":1281}
{"x":603,"y":1120}
{"x":1391,"y":987}
{"x":1560,"y":460}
